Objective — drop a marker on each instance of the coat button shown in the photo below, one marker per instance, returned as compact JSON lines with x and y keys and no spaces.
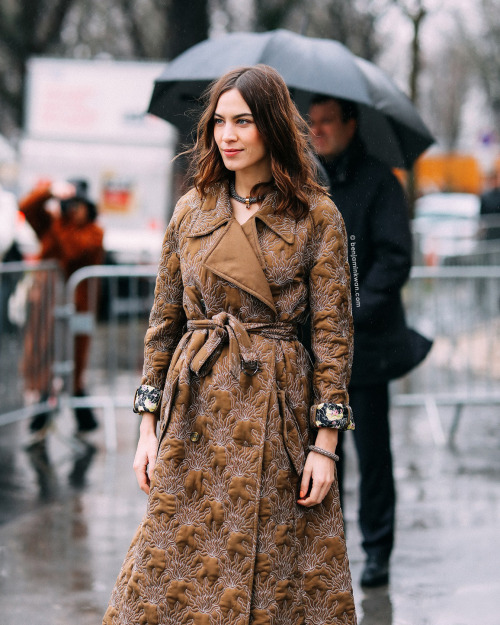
{"x":194,"y":437}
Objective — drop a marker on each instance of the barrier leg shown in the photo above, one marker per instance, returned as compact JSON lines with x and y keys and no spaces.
{"x":110,"y":438}
{"x":454,"y":425}
{"x":435,"y":421}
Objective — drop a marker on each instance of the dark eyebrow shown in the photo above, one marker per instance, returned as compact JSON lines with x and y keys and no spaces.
{"x":235,"y":116}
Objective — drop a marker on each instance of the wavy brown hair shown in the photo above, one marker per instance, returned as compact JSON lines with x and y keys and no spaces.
{"x":283,"y":130}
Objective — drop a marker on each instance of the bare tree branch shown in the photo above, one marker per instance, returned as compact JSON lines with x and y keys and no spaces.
{"x":27,"y":28}
{"x":6,"y":94}
{"x":28,"y":18}
{"x":55,"y":22}
{"x":134,"y":30}
{"x":9,"y":35}
{"x":271,"y":14}
{"x":184,"y":31}
{"x":416,"y":60}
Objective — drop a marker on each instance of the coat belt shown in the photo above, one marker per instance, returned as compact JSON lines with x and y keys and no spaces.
{"x":203,"y":351}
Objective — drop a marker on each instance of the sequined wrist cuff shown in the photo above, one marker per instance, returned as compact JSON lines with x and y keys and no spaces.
{"x":147,"y":399}
{"x":335,"y":416}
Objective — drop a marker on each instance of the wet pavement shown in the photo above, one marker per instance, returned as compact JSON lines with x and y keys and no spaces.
{"x":68,"y":512}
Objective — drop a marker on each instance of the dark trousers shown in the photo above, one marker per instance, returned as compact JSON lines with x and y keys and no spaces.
{"x":377,"y":498}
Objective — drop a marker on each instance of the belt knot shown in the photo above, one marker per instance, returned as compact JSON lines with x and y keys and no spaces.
{"x":223,"y":328}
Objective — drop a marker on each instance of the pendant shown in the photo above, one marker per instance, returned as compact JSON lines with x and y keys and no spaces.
{"x":247,"y":202}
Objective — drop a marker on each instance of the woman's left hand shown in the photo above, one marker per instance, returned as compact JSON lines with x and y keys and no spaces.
{"x":319,"y":471}
{"x":145,"y":456}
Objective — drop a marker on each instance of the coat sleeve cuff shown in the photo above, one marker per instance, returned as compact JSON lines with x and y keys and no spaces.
{"x":147,"y":399}
{"x":337,"y":416}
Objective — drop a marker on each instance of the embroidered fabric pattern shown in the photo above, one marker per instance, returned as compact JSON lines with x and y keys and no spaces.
{"x":335,"y":416}
{"x":223,"y":540}
{"x":147,"y":399}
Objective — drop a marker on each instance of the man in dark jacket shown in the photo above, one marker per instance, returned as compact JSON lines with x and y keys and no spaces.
{"x":375,"y":213}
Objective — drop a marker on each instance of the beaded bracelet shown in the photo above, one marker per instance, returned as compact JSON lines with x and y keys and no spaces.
{"x":324,"y":452}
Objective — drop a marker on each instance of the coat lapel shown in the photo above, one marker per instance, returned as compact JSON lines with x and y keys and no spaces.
{"x":234,"y":259}
{"x":232,"y":256}
{"x":215,"y":212}
{"x":282,"y":225}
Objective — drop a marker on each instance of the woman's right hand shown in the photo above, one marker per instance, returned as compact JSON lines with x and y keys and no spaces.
{"x":62,"y":190}
{"x":145,"y":456}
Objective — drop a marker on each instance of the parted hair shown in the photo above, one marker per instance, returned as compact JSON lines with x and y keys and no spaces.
{"x":283,"y":130}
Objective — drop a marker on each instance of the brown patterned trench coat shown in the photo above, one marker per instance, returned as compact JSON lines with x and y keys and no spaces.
{"x":223,"y":541}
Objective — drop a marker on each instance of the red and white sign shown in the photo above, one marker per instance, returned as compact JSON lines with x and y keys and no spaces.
{"x":93,"y":101}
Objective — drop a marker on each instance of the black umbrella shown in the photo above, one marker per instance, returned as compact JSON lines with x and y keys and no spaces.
{"x":390,"y":125}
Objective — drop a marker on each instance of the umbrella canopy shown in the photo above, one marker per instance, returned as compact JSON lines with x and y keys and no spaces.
{"x":390,"y":125}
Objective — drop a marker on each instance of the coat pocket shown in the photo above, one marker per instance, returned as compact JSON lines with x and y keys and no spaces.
{"x":171,"y":384}
{"x":291,"y":435}
{"x":169,"y":393}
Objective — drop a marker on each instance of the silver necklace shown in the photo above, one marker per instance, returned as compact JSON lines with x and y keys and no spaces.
{"x":247,"y":201}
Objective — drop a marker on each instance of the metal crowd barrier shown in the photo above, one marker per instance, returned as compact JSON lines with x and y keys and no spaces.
{"x":485,"y":253}
{"x":121,"y":299}
{"x":31,"y":338}
{"x":459,"y":307}
{"x":38,"y":322}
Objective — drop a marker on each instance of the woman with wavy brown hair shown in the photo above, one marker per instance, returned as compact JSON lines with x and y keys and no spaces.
{"x":239,"y":428}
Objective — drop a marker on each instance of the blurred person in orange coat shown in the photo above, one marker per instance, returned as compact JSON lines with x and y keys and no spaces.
{"x":63,"y":219}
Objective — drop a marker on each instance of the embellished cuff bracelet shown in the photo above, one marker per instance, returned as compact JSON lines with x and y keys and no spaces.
{"x":337,"y":416}
{"x":324,"y":452}
{"x":147,"y":399}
